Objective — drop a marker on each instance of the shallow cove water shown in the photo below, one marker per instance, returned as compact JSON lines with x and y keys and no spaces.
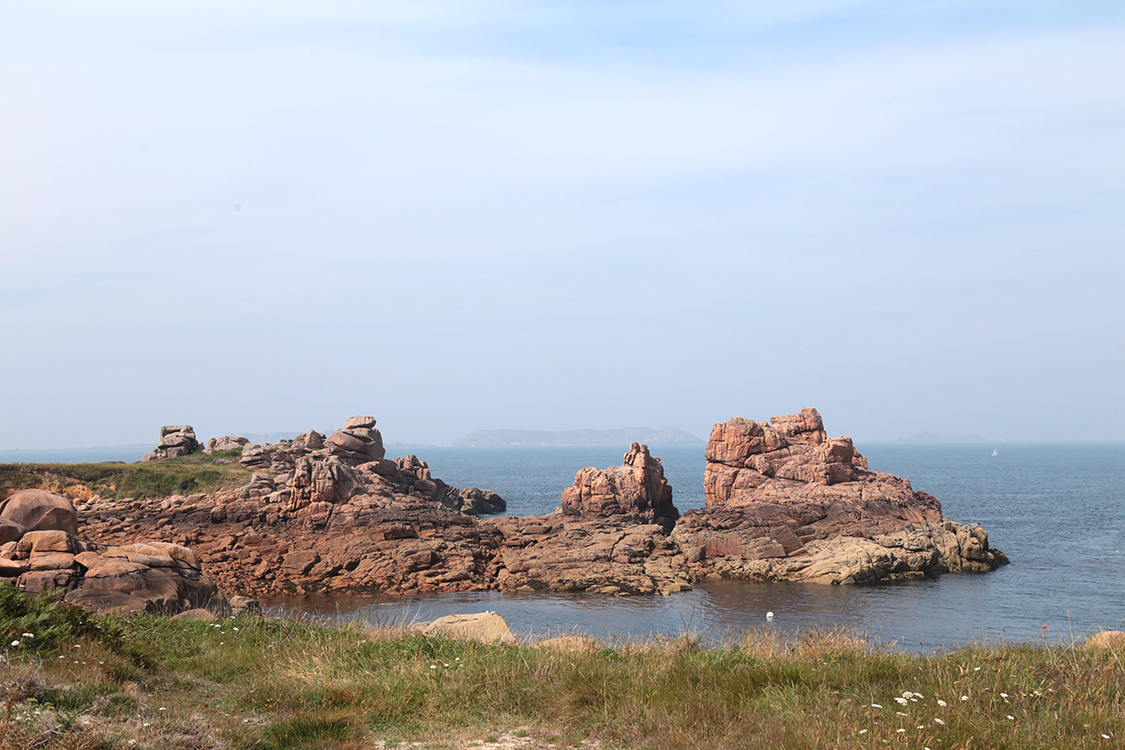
{"x":1058,"y":511}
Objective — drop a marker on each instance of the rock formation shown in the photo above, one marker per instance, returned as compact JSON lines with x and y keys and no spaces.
{"x":155,"y":577}
{"x":316,"y":520}
{"x":636,"y":490}
{"x":786,"y":502}
{"x":175,"y":441}
{"x":357,"y":442}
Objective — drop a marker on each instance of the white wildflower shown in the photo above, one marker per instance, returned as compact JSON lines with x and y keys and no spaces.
{"x":1004,"y":696}
{"x":939,"y":721}
{"x":864,"y":731}
{"x":964,"y":697}
{"x":942,"y":703}
{"x":875,"y":705}
{"x":1105,"y":736}
{"x":900,"y":730}
{"x":15,"y":643}
{"x":903,"y":701}
{"x":28,"y":635}
{"x":900,"y":713}
{"x":1011,"y":718}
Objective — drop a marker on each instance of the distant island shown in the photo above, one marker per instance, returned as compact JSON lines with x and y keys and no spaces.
{"x":933,"y":437}
{"x":623,"y":436}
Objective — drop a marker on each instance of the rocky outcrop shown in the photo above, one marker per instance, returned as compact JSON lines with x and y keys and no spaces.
{"x":155,"y":577}
{"x":786,"y":502}
{"x":175,"y":441}
{"x":322,"y":514}
{"x":315,"y":520}
{"x":636,"y":491}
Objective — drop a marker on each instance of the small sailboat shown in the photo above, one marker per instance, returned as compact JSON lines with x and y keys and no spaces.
{"x":994,"y":452}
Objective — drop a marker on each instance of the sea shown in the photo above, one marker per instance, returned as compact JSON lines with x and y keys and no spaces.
{"x":1057,"y":511}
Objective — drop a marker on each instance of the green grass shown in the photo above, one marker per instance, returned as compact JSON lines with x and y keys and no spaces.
{"x":156,"y":479}
{"x":286,"y":684}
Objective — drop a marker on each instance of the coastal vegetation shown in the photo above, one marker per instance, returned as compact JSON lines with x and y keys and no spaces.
{"x":185,"y":475}
{"x":70,"y":679}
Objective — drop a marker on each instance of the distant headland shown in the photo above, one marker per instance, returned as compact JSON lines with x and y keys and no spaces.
{"x":625,"y":435}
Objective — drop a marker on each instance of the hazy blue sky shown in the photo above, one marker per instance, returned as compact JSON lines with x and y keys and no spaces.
{"x":474,"y":215}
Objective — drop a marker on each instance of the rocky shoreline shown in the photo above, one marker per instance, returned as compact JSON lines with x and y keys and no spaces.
{"x":332,"y":514}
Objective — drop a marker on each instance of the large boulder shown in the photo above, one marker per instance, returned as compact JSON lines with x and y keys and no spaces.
{"x":153,"y":577}
{"x":636,"y":490}
{"x":37,"y":510}
{"x":357,"y":442}
{"x":486,"y":627}
{"x":786,"y":502}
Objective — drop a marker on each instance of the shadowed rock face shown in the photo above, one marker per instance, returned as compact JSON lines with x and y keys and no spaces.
{"x":786,"y":502}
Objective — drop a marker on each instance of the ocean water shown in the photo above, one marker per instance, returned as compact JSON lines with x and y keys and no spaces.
{"x":1058,"y":511}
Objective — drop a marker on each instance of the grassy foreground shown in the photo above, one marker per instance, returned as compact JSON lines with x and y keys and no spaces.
{"x":70,"y":680}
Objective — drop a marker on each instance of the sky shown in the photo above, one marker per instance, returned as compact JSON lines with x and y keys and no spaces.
{"x":453,"y":216}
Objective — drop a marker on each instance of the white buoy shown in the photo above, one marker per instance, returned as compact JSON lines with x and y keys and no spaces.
{"x":769,"y":615}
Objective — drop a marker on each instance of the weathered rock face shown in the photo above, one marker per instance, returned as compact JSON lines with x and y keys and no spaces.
{"x":635,"y":490}
{"x":786,"y":502}
{"x":175,"y":441}
{"x":560,"y":552}
{"x":158,"y":577}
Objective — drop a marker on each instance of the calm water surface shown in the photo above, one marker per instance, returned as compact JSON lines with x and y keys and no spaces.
{"x":1057,"y":511}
